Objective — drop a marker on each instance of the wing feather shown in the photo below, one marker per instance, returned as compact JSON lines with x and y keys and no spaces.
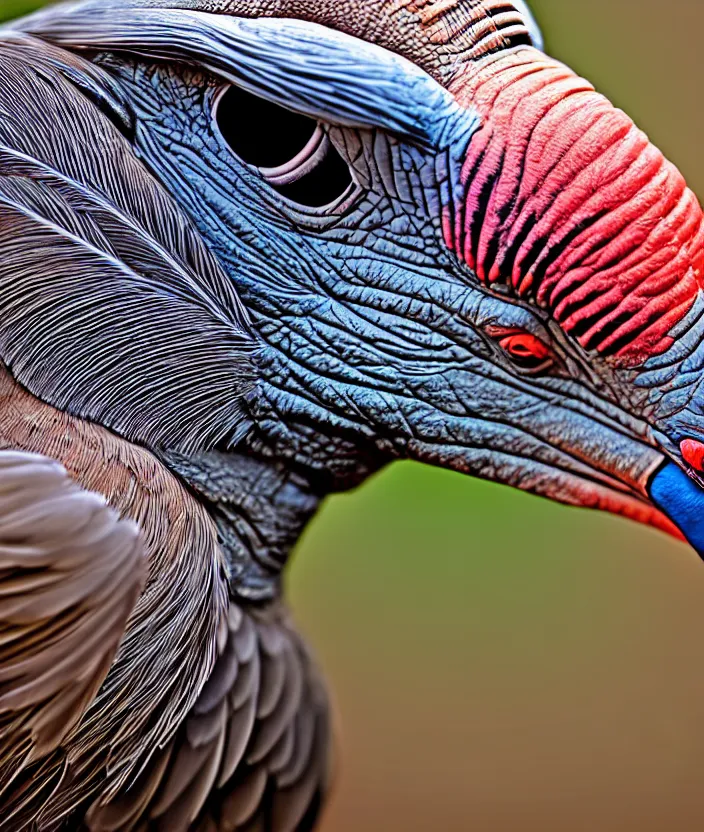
{"x":255,"y":749}
{"x":70,"y":575}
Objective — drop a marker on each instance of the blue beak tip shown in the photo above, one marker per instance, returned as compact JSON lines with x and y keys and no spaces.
{"x":682,"y":500}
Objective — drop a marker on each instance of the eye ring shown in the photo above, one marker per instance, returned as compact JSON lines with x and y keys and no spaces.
{"x":302,"y":163}
{"x":525,"y":350}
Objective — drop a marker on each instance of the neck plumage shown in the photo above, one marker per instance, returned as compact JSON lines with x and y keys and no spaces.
{"x":260,"y":508}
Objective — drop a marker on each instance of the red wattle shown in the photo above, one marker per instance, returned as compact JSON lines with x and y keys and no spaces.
{"x":568,"y":203}
{"x":693,"y":453}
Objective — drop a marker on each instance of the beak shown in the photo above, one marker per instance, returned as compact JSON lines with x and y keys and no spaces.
{"x":555,"y":444}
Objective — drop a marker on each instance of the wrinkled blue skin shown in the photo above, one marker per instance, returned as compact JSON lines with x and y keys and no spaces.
{"x":374,"y":342}
{"x":373,"y":332}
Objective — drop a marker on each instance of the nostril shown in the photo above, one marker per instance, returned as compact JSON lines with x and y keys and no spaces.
{"x":693,"y":453}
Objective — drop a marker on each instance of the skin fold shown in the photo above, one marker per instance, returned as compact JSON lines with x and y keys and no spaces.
{"x":193,"y":357}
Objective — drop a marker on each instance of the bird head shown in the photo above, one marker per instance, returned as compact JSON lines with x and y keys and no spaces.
{"x":438,"y":243}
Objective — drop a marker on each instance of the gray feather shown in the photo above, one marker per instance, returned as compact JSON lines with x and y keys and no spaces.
{"x":113,"y":309}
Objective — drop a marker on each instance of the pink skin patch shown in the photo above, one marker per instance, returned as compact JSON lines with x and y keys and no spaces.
{"x":568,"y":202}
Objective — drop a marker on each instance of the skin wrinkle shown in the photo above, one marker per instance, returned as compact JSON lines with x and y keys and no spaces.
{"x":414,"y":430}
{"x":677,"y":403}
{"x":417,"y":313}
{"x":515,"y":93}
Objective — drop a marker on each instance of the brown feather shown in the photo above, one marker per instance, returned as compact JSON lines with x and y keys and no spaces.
{"x":157,"y":673}
{"x":60,"y":636}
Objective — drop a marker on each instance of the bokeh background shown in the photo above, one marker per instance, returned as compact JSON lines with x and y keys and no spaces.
{"x":499,"y":663}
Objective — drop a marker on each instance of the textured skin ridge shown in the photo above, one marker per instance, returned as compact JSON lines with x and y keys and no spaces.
{"x":568,"y":202}
{"x":440,"y":36}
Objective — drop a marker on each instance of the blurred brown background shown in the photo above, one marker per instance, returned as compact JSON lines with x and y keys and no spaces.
{"x":502,"y":664}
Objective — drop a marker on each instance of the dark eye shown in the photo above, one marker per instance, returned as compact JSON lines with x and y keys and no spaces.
{"x":525,"y":350}
{"x":292,"y":151}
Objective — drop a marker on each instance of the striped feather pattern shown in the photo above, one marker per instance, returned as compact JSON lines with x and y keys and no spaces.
{"x":70,"y":574}
{"x":253,"y":754}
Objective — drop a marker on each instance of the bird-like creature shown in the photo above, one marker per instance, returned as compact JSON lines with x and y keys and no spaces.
{"x":251,"y":251}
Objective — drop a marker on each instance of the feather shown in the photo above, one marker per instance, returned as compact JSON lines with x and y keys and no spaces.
{"x":113,"y":308}
{"x":112,"y":736}
{"x":213,"y":777}
{"x":61,"y":632}
{"x":300,"y":65}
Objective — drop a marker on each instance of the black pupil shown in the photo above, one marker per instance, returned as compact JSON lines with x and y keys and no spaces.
{"x":268,"y":136}
{"x":259,"y":132}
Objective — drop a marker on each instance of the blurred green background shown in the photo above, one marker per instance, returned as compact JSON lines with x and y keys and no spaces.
{"x":499,"y":663}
